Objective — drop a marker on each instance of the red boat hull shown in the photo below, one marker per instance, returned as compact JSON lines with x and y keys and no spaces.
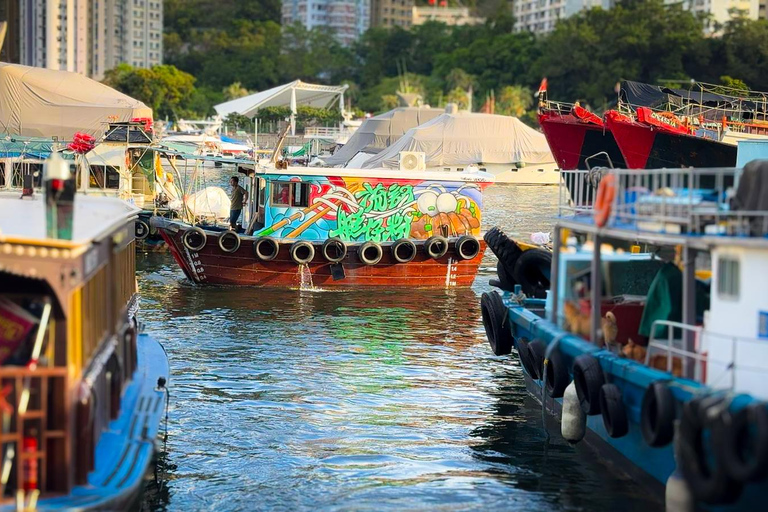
{"x":648,"y":147}
{"x":572,"y":141}
{"x":213,"y":266}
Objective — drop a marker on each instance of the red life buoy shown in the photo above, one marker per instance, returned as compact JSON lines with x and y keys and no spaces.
{"x":606,"y":192}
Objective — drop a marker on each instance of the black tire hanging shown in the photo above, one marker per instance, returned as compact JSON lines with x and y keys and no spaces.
{"x":194,"y":239}
{"x":657,"y":415}
{"x":532,"y":270}
{"x":266,"y":248}
{"x":506,"y":280}
{"x":588,"y":376}
{"x":334,"y":250}
{"x":436,"y":246}
{"x":742,"y":442}
{"x":706,"y":478}
{"x":538,"y":349}
{"x":370,"y":253}
{"x":558,"y":377}
{"x":302,"y":252}
{"x":229,"y":235}
{"x":525,"y":357}
{"x":403,"y":250}
{"x":496,"y":323}
{"x":614,"y":413}
{"x":141,"y":229}
{"x":467,"y":247}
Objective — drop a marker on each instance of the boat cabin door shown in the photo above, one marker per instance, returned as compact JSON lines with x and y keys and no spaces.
{"x":261,"y":203}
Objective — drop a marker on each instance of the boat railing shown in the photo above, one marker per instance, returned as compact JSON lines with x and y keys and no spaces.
{"x":322,"y":131}
{"x":678,"y":201}
{"x":558,"y":107}
{"x":678,"y":339}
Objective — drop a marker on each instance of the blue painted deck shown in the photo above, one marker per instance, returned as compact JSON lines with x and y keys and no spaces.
{"x":126,"y":449}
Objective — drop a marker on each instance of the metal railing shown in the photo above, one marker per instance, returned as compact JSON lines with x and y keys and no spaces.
{"x":690,"y":201}
{"x":322,"y":131}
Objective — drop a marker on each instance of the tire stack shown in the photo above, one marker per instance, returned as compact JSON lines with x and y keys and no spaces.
{"x":529,"y":269}
{"x":507,"y":251}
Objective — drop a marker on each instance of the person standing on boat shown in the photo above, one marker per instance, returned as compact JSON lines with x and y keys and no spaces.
{"x":237,"y":198}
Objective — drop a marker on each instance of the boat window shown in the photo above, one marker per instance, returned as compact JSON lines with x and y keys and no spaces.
{"x":290,"y":194}
{"x":262,"y":191}
{"x":728,"y":278}
{"x":103,"y":176}
{"x":514,"y":169}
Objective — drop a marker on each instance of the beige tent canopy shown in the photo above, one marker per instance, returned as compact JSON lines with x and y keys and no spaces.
{"x":39,"y":102}
{"x":466,"y":138}
{"x":380,"y":131}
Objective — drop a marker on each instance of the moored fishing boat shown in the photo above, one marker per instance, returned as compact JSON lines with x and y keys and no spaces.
{"x":665,"y":377}
{"x":82,"y":392}
{"x":342,"y":227}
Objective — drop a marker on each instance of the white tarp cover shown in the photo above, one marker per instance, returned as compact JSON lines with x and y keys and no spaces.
{"x":381,"y":131}
{"x":40,"y":102}
{"x":211,"y":202}
{"x":465,"y":138}
{"x":311,"y":95}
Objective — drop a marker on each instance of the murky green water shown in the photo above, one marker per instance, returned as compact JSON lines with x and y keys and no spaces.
{"x":355,"y":400}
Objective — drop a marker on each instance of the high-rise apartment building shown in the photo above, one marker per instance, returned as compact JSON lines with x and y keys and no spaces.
{"x":84,"y":36}
{"x":391,"y":13}
{"x":346,"y":18}
{"x":540,"y":16}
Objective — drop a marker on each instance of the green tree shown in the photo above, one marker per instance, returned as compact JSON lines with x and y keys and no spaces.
{"x":167,"y":90}
{"x":514,"y":100}
{"x":234,"y":90}
{"x":459,"y":96}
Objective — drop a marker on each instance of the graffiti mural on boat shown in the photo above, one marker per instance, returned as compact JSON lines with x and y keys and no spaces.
{"x":378,"y":210}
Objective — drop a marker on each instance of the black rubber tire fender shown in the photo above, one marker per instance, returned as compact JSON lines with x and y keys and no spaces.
{"x":708,"y":484}
{"x":537,"y":348}
{"x":496,"y":323}
{"x":467,"y":247}
{"x":141,"y":229}
{"x":403,"y":244}
{"x":746,"y":431}
{"x":589,"y":378}
{"x":302,"y":252}
{"x":614,"y":413}
{"x":266,"y":248}
{"x":530,"y":269}
{"x":526,"y":360}
{"x":657,"y":415}
{"x":506,"y":280}
{"x":436,"y":246}
{"x":338,"y":246}
{"x":227,"y":235}
{"x":194,"y":230}
{"x":363,"y":253}
{"x":558,"y":377}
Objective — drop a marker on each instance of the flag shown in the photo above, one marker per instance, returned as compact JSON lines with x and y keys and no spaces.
{"x":542,"y":87}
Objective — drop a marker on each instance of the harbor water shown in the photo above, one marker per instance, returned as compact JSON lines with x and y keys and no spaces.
{"x":360,"y":400}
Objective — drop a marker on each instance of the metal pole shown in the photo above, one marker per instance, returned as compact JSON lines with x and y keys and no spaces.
{"x":554,"y":273}
{"x":689,"y":306}
{"x":596,"y":293}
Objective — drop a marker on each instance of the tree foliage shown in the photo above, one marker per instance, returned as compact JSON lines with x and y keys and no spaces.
{"x":166,"y":89}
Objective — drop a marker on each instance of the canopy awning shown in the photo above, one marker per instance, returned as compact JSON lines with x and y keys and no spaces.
{"x":293,"y":95}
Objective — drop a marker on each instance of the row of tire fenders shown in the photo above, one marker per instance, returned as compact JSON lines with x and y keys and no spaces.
{"x":718,"y":450}
{"x":334,"y":250}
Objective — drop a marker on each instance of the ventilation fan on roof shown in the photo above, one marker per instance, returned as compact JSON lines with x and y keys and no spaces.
{"x":413,"y":161}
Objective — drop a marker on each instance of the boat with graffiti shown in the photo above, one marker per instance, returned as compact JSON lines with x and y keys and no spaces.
{"x":342,"y":227}
{"x":656,"y":357}
{"x":82,"y":390}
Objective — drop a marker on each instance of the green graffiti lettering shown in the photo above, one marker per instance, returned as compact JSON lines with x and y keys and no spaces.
{"x":364,"y":224}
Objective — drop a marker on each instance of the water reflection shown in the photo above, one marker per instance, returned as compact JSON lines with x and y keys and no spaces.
{"x":360,"y":399}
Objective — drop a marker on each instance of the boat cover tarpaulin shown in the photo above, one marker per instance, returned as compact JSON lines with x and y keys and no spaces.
{"x":293,"y":95}
{"x":380,"y":131}
{"x":638,"y":94}
{"x":466,"y":138}
{"x":41,"y":102}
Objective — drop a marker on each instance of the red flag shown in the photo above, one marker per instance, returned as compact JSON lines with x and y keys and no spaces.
{"x":432,"y":2}
{"x":542,"y":87}
{"x":443,"y":3}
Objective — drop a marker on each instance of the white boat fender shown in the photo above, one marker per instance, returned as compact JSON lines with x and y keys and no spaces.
{"x":403,"y":250}
{"x":467,"y":247}
{"x":657,"y":415}
{"x":141,"y":229}
{"x":614,"y":414}
{"x":266,"y":248}
{"x":194,"y":239}
{"x":746,"y":427}
{"x":677,"y":494}
{"x":588,"y":376}
{"x":302,"y":252}
{"x":436,"y":246}
{"x":573,"y":424}
{"x":334,"y":250}
{"x":496,"y":323}
{"x":707,"y":479}
{"x":229,"y":241}
{"x":370,"y":253}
